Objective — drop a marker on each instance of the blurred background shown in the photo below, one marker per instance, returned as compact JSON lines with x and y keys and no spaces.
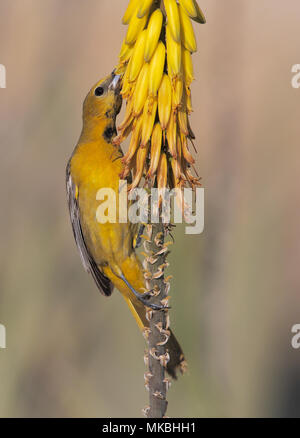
{"x":235,"y":295}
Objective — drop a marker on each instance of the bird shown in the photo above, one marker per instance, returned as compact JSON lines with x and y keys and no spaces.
{"x":107,"y":250}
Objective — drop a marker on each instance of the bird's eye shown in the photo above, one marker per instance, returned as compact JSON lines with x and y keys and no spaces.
{"x":99,"y":91}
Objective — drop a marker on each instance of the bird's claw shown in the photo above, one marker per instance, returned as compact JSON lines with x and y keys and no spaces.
{"x":144,"y":298}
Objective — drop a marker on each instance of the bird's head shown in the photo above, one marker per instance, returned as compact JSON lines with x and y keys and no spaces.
{"x":100,"y":109}
{"x":104,"y":100}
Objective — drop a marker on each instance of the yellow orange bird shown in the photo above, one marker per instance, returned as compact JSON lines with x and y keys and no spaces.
{"x":107,"y":250}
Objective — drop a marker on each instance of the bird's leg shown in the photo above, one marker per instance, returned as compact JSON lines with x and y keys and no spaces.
{"x":144,"y":298}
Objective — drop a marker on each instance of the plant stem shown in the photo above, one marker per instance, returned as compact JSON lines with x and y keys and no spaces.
{"x":158,"y":322}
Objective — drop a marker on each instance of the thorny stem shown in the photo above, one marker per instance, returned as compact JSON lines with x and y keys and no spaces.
{"x":158,"y":334}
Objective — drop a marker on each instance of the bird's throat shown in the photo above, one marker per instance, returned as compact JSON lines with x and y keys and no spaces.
{"x":95,"y":130}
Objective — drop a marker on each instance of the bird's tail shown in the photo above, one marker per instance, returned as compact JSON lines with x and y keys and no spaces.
{"x":135,"y":277}
{"x":177,"y":359}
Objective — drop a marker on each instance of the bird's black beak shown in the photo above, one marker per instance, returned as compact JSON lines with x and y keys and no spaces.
{"x":115,"y":84}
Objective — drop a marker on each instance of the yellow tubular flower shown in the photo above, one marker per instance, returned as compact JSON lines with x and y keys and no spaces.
{"x":182,"y":120}
{"x":153,"y":33}
{"x":188,"y":69}
{"x":187,"y":34}
{"x":173,"y":18}
{"x":140,"y":164}
{"x":123,"y":135}
{"x":189,"y":7}
{"x":131,"y":9}
{"x":165,"y":101}
{"x":185,"y":152}
{"x":156,"y":142}
{"x":173,"y":54}
{"x":157,"y":68}
{"x":177,"y":92}
{"x":135,"y":27}
{"x":126,"y":52}
{"x":149,"y":115}
{"x":144,"y":8}
{"x":176,"y":171}
{"x":128,"y":115}
{"x":189,"y":105}
{"x":126,"y":84}
{"x":141,"y":90}
{"x":128,"y":87}
{"x":138,"y":56}
{"x":134,"y":141}
{"x":162,"y":172}
{"x":172,"y":135}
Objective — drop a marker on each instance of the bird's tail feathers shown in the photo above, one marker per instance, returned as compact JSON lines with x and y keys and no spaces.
{"x":135,"y":280}
{"x":177,"y":360}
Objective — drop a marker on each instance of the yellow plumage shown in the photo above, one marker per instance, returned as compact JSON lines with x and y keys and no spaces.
{"x":107,"y":250}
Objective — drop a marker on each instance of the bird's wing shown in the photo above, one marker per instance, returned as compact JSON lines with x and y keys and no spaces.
{"x":104,"y":284}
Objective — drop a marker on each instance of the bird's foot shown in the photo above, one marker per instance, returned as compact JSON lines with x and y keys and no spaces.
{"x":145,"y":298}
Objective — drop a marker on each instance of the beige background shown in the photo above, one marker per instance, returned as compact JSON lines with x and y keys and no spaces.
{"x":235,"y":294}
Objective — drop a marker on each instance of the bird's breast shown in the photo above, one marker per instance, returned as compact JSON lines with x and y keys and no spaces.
{"x":92,"y":171}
